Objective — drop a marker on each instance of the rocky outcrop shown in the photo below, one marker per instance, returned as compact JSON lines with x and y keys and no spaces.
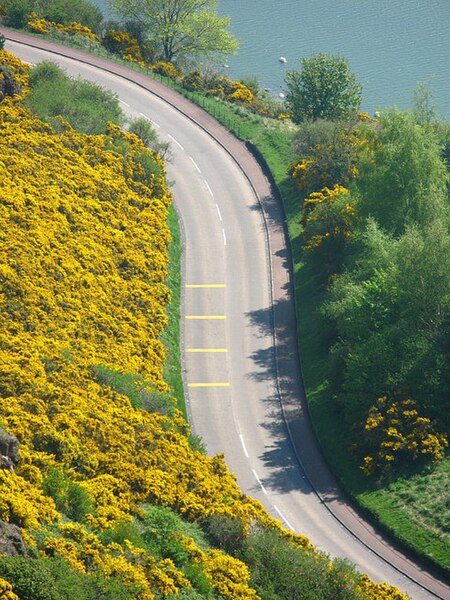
{"x":11,"y":542}
{"x":9,"y":450}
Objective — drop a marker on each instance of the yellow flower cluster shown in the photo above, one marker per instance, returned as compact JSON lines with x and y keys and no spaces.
{"x":380,"y":591}
{"x":6,"y":592}
{"x":17,"y":68}
{"x":394,"y":429}
{"x":325,"y":217}
{"x":49,"y":27}
{"x":124,"y":44}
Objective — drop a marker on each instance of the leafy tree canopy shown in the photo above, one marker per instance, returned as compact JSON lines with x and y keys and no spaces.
{"x":180,"y":28}
{"x":324,"y":88}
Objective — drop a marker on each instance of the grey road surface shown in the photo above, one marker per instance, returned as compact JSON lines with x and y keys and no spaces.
{"x":239,"y":357}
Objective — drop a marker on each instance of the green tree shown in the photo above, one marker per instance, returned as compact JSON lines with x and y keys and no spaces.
{"x":324,"y":88}
{"x":402,"y":177}
{"x":180,"y":28}
{"x":16,"y":12}
{"x":390,"y":309}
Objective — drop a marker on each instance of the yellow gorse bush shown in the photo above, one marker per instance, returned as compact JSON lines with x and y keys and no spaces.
{"x":6,"y":592}
{"x":49,"y":27}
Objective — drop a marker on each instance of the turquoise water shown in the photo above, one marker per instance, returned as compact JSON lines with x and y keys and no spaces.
{"x":390,"y":44}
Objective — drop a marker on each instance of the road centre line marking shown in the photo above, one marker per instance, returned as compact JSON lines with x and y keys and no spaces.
{"x":224,"y":237}
{"x":218,"y":212}
{"x":243,"y":445}
{"x":176,"y":141}
{"x":259,"y":481}
{"x":206,"y":285}
{"x":151,"y":120}
{"x":206,"y":350}
{"x":208,"y":188}
{"x":215,"y":384}
{"x":206,"y":317}
{"x":283,"y":518}
{"x":195,"y":164}
{"x":123,"y":102}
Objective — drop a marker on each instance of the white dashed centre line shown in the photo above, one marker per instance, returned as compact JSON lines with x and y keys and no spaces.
{"x":283,"y":518}
{"x":259,"y":481}
{"x":218,"y":212}
{"x":243,"y":445}
{"x":151,"y":120}
{"x":195,"y":164}
{"x":224,"y":237}
{"x":175,"y":141}
{"x":208,"y":188}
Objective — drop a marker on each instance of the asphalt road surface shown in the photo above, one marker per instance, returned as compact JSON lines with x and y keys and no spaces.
{"x":240,"y":362}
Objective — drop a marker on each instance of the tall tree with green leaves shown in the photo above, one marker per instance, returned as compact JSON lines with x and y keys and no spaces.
{"x":180,"y":28}
{"x":402,"y":177}
{"x":324,"y":88}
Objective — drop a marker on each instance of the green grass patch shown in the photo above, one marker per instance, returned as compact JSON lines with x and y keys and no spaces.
{"x":171,"y":336}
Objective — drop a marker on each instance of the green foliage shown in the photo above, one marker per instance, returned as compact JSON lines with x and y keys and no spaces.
{"x":67,"y":11}
{"x":140,"y":392}
{"x":145,"y":131}
{"x":85,"y":105}
{"x":402,"y":176}
{"x":70,"y":498}
{"x":389,"y":310}
{"x":225,"y":532}
{"x":324,"y":88}
{"x":54,"y":579}
{"x":179,"y":29}
{"x":161,"y":533}
{"x":2,"y":41}
{"x":16,"y":12}
{"x":329,"y":148}
{"x":280,"y":570}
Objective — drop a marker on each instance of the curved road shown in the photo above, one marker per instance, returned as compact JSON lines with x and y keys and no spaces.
{"x":240,"y":359}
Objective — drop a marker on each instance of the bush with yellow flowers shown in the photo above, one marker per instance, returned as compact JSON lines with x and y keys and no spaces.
{"x":71,"y":30}
{"x":395,"y":431}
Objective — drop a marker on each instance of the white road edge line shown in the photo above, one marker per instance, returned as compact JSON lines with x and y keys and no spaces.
{"x":123,"y":102}
{"x":195,"y":164}
{"x":151,"y":120}
{"x":224,"y":237}
{"x":243,"y":445}
{"x":208,"y":188}
{"x":218,"y":212}
{"x":283,"y":518}
{"x":259,"y":481}
{"x":175,"y":141}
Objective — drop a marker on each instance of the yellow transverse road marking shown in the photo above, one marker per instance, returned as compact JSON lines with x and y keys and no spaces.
{"x":205,"y":317}
{"x":208,"y":384}
{"x":206,"y":350}
{"x":206,"y":285}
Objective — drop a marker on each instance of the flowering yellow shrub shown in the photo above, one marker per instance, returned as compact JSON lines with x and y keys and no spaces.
{"x":49,"y":27}
{"x":395,"y":430}
{"x":241,"y":94}
{"x":122,"y":43}
{"x":380,"y":591}
{"x":166,"y":69}
{"x":6,"y":592}
{"x":328,"y":217}
{"x":18,"y":70}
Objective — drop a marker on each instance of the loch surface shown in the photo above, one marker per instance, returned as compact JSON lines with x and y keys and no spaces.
{"x":390,"y":44}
